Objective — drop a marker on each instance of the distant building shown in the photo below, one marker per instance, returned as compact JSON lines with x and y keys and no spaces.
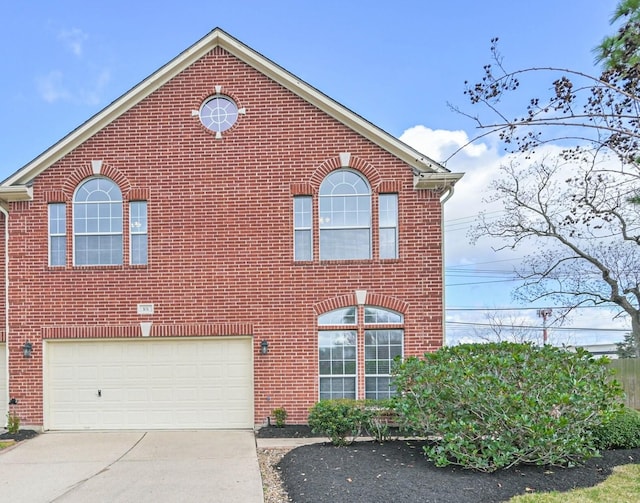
{"x":610,"y":350}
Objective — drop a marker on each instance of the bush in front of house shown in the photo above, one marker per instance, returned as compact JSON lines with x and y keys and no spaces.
{"x":344,"y":420}
{"x":280,"y":416}
{"x":492,"y":406}
{"x":341,"y":420}
{"x":621,"y":432}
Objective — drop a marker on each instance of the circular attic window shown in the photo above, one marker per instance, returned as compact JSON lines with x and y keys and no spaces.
{"x":218,"y":113}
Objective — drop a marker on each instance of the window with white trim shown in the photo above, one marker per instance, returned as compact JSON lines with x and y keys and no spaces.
{"x":345,"y":216}
{"x":97,"y":223}
{"x":337,"y":362}
{"x":303,"y":230}
{"x":57,"y":234}
{"x":338,"y":352}
{"x":138,"y":239}
{"x":388,"y":223}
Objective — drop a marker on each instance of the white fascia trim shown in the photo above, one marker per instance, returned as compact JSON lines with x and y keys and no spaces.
{"x":16,"y":193}
{"x":440,"y":181}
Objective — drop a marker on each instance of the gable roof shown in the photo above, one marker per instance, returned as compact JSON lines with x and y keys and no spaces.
{"x":427,"y":172}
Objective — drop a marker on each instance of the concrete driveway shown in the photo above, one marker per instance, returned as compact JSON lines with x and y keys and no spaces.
{"x":133,"y":466}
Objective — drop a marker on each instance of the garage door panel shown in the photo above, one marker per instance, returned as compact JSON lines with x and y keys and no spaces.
{"x":177,"y":383}
{"x":82,"y":373}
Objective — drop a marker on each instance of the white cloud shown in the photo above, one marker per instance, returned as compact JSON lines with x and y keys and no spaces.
{"x":439,"y":144}
{"x":480,"y":164}
{"x":51,"y":87}
{"x":74,"y":40}
{"x":93,"y":96}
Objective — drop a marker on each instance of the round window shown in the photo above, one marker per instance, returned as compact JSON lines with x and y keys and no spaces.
{"x":218,"y":113}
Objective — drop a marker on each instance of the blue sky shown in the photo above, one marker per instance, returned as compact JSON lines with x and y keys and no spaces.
{"x":396,"y":64}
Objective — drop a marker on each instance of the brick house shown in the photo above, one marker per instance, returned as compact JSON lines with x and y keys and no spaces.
{"x":221,"y":240}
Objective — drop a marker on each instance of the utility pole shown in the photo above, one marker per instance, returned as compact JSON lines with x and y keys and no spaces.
{"x":544,"y":314}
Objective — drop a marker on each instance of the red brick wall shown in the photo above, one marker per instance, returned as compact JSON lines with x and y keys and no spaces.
{"x":220,"y":236}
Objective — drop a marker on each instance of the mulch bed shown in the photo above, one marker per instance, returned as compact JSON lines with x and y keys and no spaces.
{"x":21,"y":435}
{"x":398,"y":471}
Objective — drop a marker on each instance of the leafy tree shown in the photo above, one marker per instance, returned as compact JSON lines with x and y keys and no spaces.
{"x":627,"y":348}
{"x":620,"y":51}
{"x":582,"y":229}
{"x":577,"y":206}
{"x":582,"y":111}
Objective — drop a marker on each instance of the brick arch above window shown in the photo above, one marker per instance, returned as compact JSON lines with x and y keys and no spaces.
{"x":137,"y":194}
{"x":56,"y":196}
{"x":86,"y":171}
{"x":379,"y":300}
{"x":334,"y":303}
{"x":363,"y":167}
{"x":373,"y":299}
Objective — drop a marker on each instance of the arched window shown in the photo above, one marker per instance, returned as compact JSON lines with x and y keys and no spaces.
{"x":97,"y":223}
{"x":339,"y":351}
{"x":345,"y":216}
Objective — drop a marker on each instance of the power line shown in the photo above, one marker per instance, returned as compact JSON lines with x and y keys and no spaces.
{"x":603,"y":306}
{"x":531,"y":327}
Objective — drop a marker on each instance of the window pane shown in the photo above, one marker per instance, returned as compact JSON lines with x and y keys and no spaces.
{"x":332,"y":388}
{"x":345,"y":316}
{"x":302,"y":245}
{"x":344,"y":217}
{"x":97,"y":223}
{"x":302,"y":211}
{"x":378,"y":388}
{"x":58,"y":251}
{"x":138,"y":233}
{"x":388,"y":204}
{"x":98,"y":250}
{"x":381,"y":346}
{"x":388,"y":222}
{"x":388,"y":244}
{"x":337,"y":364}
{"x":138,"y":216}
{"x":57,"y":234}
{"x":349,"y":352}
{"x":349,"y":367}
{"x":352,"y":244}
{"x":381,"y":315}
{"x":302,"y":231}
{"x":139,"y":249}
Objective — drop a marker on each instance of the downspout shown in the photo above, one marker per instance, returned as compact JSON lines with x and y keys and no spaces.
{"x":6,"y":302}
{"x":444,"y":290}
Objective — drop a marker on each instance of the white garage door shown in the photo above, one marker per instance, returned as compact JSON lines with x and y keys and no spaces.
{"x":4,"y":400}
{"x":149,"y":384}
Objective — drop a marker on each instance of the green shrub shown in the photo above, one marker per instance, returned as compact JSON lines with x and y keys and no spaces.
{"x":340,"y":420}
{"x":621,"y":432}
{"x":13,"y":423}
{"x":280,"y":415}
{"x":491,"y":406}
{"x":379,"y":419}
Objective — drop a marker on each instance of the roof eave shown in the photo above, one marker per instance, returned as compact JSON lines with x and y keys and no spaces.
{"x":436,"y":181}
{"x":16,"y":193}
